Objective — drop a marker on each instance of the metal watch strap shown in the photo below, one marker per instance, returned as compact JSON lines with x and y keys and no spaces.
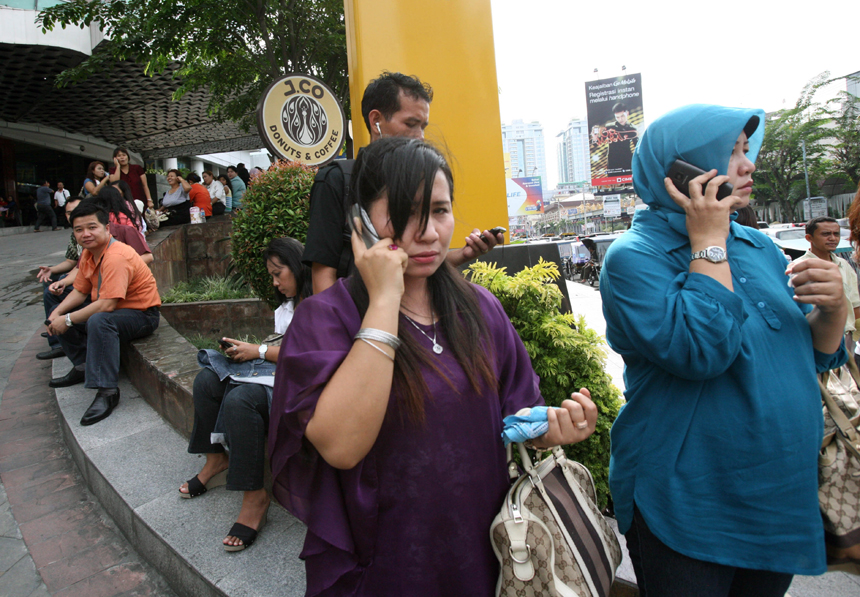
{"x":713,"y":254}
{"x":69,"y":320}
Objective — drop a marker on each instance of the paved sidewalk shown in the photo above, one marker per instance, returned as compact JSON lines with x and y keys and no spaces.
{"x":75,"y":548}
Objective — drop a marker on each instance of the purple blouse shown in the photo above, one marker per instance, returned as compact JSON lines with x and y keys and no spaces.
{"x":413,"y":517}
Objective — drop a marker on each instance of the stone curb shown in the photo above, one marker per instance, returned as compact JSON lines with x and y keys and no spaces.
{"x":134,"y":462}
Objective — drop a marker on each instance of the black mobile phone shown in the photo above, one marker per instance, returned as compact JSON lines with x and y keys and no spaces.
{"x":494,"y":232}
{"x":224,"y":344}
{"x":682,"y":173}
{"x":367,"y":232}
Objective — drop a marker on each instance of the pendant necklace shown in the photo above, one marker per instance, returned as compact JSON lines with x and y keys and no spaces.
{"x":437,"y":348}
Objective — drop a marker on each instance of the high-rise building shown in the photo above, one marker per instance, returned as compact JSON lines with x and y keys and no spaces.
{"x":524,"y":142}
{"x":852,"y":83}
{"x":572,"y":151}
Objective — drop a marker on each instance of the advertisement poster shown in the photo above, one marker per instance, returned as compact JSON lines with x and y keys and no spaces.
{"x":612,"y":206}
{"x":525,"y":196}
{"x":615,"y":117}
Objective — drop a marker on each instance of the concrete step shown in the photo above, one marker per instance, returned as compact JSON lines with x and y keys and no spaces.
{"x":134,"y":462}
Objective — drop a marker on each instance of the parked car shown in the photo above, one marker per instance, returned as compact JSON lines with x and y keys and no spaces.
{"x":597,"y":246}
{"x":786,"y":233}
{"x":574,"y":256}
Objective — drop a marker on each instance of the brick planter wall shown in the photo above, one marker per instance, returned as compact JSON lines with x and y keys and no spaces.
{"x":214,"y":319}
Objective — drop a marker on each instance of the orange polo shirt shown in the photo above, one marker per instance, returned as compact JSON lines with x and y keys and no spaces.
{"x":124,"y":276}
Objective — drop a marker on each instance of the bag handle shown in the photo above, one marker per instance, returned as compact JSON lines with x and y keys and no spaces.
{"x":846,"y":431}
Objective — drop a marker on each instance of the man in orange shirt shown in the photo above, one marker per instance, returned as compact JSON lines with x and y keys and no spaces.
{"x":124,"y":307}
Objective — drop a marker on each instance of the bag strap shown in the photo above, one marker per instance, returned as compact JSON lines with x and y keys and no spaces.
{"x":846,"y":432}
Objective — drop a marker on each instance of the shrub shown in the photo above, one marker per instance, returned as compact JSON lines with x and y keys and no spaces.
{"x":210,"y":288}
{"x":275,"y":205}
{"x":565,"y":353}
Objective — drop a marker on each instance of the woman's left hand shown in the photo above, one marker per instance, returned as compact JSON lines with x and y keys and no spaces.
{"x":242,"y":351}
{"x":818,"y":282}
{"x":572,"y":423}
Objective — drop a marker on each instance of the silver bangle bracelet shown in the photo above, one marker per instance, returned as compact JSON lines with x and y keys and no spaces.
{"x":378,"y":335}
{"x":372,"y":345}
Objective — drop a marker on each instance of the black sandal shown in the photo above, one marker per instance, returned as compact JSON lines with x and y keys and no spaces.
{"x":245,"y":534}
{"x":196,"y":488}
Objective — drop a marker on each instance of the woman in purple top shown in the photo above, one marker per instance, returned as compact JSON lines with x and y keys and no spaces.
{"x":393,"y":457}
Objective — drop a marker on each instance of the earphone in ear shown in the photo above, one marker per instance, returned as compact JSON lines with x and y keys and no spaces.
{"x":378,"y":130}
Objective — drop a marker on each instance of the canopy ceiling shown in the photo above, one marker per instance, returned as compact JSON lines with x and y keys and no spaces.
{"x":123,"y":107}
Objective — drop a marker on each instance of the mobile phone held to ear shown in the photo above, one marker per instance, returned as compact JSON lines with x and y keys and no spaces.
{"x":494,"y":232}
{"x":682,"y":173}
{"x":368,"y":232}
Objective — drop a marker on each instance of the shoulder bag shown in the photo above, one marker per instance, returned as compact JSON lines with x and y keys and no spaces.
{"x":550,"y":537}
{"x":839,"y":466}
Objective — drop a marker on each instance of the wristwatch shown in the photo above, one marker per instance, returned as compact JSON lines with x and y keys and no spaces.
{"x":68,"y":320}
{"x":712,"y":254}
{"x":263,"y":348}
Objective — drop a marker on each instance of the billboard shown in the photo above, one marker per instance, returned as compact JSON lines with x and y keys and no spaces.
{"x":614,"y":118}
{"x":612,"y":206}
{"x":525,"y":196}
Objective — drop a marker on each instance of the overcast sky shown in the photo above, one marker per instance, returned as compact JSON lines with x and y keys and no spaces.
{"x":752,"y":53}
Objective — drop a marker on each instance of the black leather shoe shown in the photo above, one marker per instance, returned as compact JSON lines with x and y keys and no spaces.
{"x":106,"y":400}
{"x":51,"y":354}
{"x":71,"y":378}
{"x":45,"y":334}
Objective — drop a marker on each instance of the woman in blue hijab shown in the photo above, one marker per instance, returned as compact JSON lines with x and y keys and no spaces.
{"x":714,"y":456}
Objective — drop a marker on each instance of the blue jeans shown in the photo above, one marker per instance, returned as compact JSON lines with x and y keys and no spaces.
{"x":52,"y":301}
{"x":663,"y":572}
{"x":96,"y":342}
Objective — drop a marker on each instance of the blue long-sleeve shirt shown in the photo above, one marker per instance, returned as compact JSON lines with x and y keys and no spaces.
{"x":718,"y":442}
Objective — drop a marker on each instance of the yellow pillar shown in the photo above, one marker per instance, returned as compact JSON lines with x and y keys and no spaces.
{"x":448,"y":44}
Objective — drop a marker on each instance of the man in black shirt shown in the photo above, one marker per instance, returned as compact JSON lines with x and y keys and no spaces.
{"x":394,"y":105}
{"x":621,"y":138}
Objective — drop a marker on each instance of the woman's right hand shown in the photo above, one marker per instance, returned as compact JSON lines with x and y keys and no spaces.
{"x":381,"y":267}
{"x":708,"y":220}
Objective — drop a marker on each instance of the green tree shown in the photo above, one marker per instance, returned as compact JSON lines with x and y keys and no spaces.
{"x":844,"y":152}
{"x":232,"y":49}
{"x":565,"y":353}
{"x":780,"y":176}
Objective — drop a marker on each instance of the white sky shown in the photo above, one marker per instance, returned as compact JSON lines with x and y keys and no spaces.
{"x":753,"y":54}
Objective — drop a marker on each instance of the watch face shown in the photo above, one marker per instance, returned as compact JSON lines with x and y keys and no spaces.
{"x":715,"y":254}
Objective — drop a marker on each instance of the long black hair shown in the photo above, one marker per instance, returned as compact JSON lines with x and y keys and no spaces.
{"x":124,"y":188}
{"x":110,"y":200}
{"x":403,"y":169}
{"x":288,"y":251}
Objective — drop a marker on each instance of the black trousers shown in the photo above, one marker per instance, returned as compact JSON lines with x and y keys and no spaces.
{"x":246,"y":420}
{"x":178,"y":215}
{"x":663,"y":572}
{"x":45,"y":212}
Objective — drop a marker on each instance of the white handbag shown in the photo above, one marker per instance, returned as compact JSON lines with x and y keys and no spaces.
{"x":550,"y":536}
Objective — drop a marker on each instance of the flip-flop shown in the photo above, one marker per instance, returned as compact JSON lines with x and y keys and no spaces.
{"x":245,"y":533}
{"x":196,"y":488}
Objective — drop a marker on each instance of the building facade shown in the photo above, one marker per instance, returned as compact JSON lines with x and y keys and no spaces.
{"x":572,"y":152}
{"x":50,"y":133}
{"x":524,"y":142}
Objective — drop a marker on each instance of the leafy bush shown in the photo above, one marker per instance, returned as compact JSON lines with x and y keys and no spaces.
{"x":275,"y":205}
{"x":210,"y":288}
{"x":565,"y":353}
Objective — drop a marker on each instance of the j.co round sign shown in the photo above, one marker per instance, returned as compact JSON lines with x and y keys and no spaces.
{"x":301,"y":120}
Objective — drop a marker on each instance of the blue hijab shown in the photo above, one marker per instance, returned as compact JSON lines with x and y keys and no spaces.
{"x":700,"y":134}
